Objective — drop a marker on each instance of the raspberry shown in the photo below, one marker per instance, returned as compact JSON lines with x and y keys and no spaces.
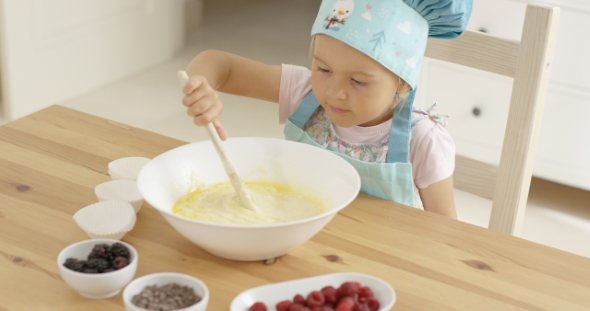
{"x":366,"y":292}
{"x":257,"y":306}
{"x":298,"y":307}
{"x":345,"y":304}
{"x":343,"y":307}
{"x":373,"y":304}
{"x":361,"y":307}
{"x":350,"y":296}
{"x":315,"y":299}
{"x":299,"y":299}
{"x":284,"y":305}
{"x":330,"y":294}
{"x":349,"y":289}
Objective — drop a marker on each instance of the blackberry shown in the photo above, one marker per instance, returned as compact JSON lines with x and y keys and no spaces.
{"x":119,"y":249}
{"x":89,"y":270}
{"x":75,"y":264}
{"x":120,"y":262}
{"x":100,"y":264}
{"x":100,"y":251}
{"x":103,"y":258}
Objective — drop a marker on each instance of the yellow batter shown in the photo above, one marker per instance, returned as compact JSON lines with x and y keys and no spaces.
{"x":277,"y":203}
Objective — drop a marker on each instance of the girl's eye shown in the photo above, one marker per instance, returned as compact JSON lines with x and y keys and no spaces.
{"x":323,"y":69}
{"x":359,"y":82}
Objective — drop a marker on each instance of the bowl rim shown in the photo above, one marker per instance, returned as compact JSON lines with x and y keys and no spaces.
{"x":328,"y":213}
{"x":127,"y":297}
{"x":98,"y":241}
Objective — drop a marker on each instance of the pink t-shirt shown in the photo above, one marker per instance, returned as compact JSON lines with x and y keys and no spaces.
{"x":432,"y":150}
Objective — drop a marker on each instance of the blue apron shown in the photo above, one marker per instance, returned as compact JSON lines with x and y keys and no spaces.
{"x":391,"y":180}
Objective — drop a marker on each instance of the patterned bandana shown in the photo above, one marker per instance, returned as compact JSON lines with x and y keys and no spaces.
{"x":393,"y":32}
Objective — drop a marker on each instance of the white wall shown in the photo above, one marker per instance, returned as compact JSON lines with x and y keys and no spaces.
{"x":54,"y":50}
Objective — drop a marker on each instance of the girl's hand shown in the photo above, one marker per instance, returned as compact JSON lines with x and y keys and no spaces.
{"x":203,"y":103}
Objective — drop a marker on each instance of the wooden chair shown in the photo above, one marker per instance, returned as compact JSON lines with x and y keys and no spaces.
{"x":528,"y":62}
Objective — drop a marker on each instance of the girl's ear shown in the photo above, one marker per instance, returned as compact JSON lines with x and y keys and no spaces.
{"x":403,"y":88}
{"x":406,"y":88}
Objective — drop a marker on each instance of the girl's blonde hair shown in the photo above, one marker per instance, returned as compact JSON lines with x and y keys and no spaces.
{"x":403,"y":88}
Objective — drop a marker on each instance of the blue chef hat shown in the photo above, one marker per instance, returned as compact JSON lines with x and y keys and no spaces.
{"x":393,"y":32}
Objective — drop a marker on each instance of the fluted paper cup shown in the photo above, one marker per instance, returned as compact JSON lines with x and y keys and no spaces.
{"x":127,"y":168}
{"x":110,"y":219}
{"x":121,"y":189}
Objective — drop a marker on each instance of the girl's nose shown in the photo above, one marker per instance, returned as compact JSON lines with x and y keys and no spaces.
{"x":335,"y":90}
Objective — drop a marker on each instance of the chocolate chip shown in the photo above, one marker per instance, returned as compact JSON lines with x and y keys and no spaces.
{"x":166,"y":297}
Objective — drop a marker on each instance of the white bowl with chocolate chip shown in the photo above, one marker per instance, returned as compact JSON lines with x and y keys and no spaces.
{"x":166,"y":291}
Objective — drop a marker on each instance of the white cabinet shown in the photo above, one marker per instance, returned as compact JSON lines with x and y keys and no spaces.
{"x":55,"y":50}
{"x":563,"y":151}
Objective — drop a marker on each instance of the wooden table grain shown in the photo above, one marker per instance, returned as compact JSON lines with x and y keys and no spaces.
{"x":50,"y":162}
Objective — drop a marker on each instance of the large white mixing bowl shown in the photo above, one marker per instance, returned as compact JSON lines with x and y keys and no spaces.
{"x":172,"y":174}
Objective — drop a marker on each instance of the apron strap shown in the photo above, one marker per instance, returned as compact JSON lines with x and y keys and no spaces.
{"x":399,"y":136}
{"x":305,"y":110}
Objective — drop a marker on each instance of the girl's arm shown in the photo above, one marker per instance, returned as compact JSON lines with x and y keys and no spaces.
{"x":438,"y":198}
{"x":233,"y":74}
{"x":211,"y":71}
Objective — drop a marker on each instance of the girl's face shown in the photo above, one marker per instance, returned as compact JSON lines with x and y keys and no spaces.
{"x":353,"y":88}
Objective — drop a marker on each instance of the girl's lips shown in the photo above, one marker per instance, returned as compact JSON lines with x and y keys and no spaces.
{"x":337,"y":110}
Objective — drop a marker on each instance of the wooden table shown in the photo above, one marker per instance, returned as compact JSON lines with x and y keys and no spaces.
{"x":51,"y":161}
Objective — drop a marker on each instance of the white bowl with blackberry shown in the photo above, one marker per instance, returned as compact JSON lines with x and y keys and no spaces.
{"x":166,"y":291}
{"x":98,"y":268}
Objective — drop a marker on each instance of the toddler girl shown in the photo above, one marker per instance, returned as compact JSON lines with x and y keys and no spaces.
{"x":357,"y":99}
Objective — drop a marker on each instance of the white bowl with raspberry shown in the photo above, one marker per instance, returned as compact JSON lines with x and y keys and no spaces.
{"x":331,"y":289}
{"x":96,"y":281}
{"x":169,"y":176}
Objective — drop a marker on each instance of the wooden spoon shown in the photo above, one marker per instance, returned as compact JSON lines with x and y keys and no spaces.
{"x":239,"y":186}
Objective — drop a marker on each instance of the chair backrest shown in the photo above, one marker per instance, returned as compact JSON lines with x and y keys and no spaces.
{"x":528,"y":62}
